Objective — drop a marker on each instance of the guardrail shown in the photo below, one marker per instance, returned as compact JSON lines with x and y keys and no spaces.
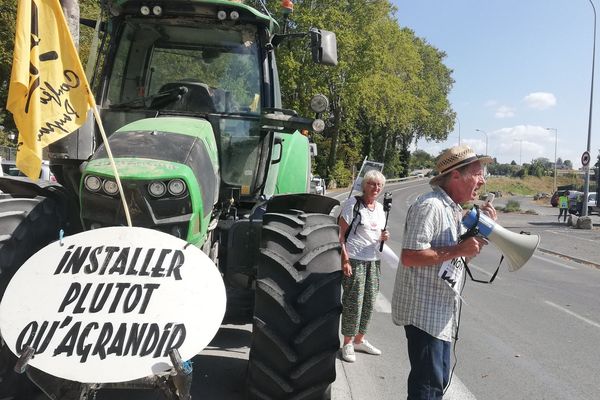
{"x":408,"y":178}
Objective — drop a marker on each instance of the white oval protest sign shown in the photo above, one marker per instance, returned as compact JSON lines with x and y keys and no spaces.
{"x":108,"y":305}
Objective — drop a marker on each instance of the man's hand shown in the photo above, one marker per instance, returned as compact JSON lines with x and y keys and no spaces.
{"x":488,"y":209}
{"x":472,"y":246}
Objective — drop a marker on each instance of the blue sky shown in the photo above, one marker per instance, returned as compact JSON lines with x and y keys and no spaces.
{"x":520,"y":66}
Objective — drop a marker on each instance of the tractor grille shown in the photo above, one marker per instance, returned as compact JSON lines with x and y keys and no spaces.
{"x":168,"y":214}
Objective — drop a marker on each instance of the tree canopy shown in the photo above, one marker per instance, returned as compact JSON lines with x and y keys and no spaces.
{"x":389,"y":88}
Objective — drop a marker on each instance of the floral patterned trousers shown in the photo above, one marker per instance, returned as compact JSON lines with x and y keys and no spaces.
{"x":358,"y":299}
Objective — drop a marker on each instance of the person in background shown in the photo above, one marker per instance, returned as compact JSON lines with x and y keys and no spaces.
{"x":563,"y":205}
{"x":424,"y":303}
{"x":579,"y":203}
{"x":360,"y":263}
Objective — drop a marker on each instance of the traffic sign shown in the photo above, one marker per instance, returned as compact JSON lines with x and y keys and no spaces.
{"x":585,"y":158}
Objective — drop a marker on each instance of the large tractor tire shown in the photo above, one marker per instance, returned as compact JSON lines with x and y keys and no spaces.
{"x":297,"y":308}
{"x":26,"y":226}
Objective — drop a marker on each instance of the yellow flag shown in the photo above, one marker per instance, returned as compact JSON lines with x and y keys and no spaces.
{"x":48,"y":96}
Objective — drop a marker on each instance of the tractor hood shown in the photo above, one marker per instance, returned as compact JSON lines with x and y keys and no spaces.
{"x":157,"y":151}
{"x":161,"y":148}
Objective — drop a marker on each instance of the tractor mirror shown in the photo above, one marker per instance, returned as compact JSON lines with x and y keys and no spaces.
{"x":324,"y":46}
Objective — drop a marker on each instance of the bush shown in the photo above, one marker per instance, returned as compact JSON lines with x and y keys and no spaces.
{"x":341,"y":175}
{"x":512,"y":206}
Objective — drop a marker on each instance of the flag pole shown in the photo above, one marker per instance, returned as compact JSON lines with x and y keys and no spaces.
{"x":112,"y":161}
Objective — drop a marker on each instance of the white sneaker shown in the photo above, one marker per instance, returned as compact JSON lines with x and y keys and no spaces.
{"x":367,"y":347}
{"x":348,"y":353}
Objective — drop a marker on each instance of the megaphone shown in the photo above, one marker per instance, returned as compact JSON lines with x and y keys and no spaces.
{"x":517,"y":248}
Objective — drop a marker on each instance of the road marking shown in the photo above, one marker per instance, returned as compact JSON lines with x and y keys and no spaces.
{"x":571,"y":236}
{"x":554,"y":262}
{"x":458,"y":391}
{"x":382,"y":304}
{"x":584,"y":319}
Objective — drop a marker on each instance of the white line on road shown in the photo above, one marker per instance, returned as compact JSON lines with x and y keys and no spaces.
{"x":382,"y":304}
{"x":584,"y":319}
{"x":571,"y":236}
{"x":457,"y":390}
{"x":553,"y":262}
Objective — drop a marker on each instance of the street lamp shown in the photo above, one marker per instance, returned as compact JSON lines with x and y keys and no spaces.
{"x":458,"y":120}
{"x":486,"y":153}
{"x":486,"y":140}
{"x":586,"y":185}
{"x":520,"y":149}
{"x":555,"y":143}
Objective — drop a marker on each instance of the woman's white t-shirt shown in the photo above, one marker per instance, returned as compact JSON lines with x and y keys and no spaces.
{"x":364,"y":238}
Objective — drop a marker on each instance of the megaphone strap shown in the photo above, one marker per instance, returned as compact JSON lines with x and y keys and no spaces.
{"x":482,"y":281}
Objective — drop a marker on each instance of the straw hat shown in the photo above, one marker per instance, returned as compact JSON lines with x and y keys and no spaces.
{"x":454,"y":158}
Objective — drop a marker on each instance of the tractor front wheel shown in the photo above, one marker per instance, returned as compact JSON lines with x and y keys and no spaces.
{"x":297,"y":308}
{"x":26,"y":226}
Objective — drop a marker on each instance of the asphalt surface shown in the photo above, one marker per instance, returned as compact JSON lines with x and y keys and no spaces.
{"x":383,"y":377}
{"x":557,"y":237}
{"x":219,"y":371}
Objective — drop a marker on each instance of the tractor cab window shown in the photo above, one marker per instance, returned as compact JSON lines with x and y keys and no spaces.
{"x":161,"y":68}
{"x":186,"y":68}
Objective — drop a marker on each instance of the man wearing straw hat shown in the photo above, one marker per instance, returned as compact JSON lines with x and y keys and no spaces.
{"x":424,"y":303}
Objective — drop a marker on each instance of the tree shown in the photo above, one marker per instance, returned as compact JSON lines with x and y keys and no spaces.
{"x":568,"y":164}
{"x":421,"y":159}
{"x":389,"y":87}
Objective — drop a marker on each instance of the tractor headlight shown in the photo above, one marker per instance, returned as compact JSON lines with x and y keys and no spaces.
{"x":92,"y":183}
{"x":177,"y":187}
{"x":157,"y":189}
{"x":110,"y":187}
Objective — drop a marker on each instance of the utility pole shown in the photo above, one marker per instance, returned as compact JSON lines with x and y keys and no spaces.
{"x":520,"y":150}
{"x":555,"y":145}
{"x":486,"y":153}
{"x":586,"y":184}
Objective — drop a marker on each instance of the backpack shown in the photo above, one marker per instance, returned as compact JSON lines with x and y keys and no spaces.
{"x":355,"y":215}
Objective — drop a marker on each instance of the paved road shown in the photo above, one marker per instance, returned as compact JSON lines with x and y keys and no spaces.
{"x":532,"y":334}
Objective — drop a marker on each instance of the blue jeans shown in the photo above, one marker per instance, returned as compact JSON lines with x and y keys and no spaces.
{"x":429,"y":365}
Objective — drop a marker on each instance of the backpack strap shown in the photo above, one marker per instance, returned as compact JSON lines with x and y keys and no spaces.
{"x":355,"y":216}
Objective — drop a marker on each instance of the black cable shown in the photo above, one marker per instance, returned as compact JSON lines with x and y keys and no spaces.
{"x":456,"y":334}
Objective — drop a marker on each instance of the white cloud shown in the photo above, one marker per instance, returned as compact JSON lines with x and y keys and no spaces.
{"x":540,"y":100}
{"x":522,"y":143}
{"x":505,"y":112}
{"x":490,"y":103}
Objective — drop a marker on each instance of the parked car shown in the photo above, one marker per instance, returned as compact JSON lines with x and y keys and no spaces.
{"x":9,"y":168}
{"x":573,"y":204}
{"x":592,"y":204}
{"x":317,"y":186}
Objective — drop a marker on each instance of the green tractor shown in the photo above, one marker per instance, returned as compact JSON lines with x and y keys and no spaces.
{"x":189,"y":94}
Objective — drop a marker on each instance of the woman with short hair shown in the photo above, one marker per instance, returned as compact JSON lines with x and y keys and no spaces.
{"x":361,"y":232}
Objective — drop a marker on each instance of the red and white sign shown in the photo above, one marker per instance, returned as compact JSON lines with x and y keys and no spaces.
{"x":108,"y":305}
{"x":585,"y":158}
